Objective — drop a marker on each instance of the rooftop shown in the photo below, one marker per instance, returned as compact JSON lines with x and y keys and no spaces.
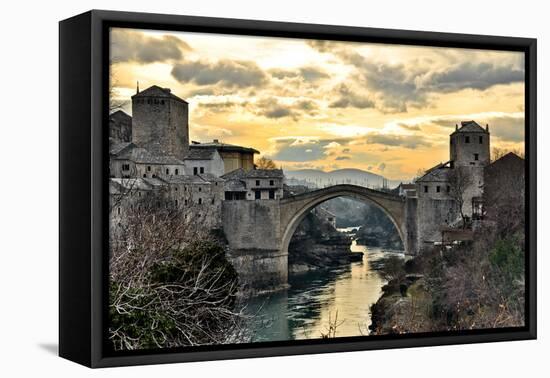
{"x":471,"y":127}
{"x":156,"y":91}
{"x":264,"y":173}
{"x":220,"y":146}
{"x":438,"y":173}
{"x":117,"y":148}
{"x":119,"y":115}
{"x":200,"y":154}
{"x":141,"y":155}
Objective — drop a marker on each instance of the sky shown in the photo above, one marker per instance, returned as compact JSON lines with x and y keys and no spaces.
{"x":327,"y":105}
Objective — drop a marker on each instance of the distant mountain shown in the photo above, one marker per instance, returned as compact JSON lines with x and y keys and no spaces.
{"x":318,"y":178}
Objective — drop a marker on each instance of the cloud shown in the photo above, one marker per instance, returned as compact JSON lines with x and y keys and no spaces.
{"x":343,"y":158}
{"x":508,"y":129}
{"x":394,"y":88}
{"x":407,"y":141}
{"x":272,"y":107}
{"x":229,"y":73}
{"x":409,"y":127}
{"x":134,"y":46}
{"x":381,"y":167}
{"x":349,"y":99}
{"x":307,"y":73}
{"x":346,"y":151}
{"x":302,"y":149}
{"x":479,"y":76}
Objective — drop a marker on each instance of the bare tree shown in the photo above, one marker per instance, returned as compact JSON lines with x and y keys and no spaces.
{"x":114,"y":102}
{"x":500,"y":152}
{"x":265,"y":163}
{"x":170,"y":282}
{"x":460,"y":181}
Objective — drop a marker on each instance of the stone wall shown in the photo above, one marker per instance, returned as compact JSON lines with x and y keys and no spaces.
{"x":161,"y":126}
{"x":252,"y":231}
{"x":462,"y":153}
{"x":431,"y":216}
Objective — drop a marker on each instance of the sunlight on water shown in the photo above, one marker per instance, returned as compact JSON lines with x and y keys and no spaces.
{"x":306,"y":309}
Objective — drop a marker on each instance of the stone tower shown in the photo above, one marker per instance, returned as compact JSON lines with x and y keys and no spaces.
{"x":470,"y":145}
{"x":470,"y":153}
{"x":160,"y":122}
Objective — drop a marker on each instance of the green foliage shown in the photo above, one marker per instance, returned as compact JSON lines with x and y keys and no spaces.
{"x":509,"y":258}
{"x":151,"y":328}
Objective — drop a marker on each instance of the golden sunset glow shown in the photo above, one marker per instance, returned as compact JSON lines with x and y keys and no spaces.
{"x":388,"y":109}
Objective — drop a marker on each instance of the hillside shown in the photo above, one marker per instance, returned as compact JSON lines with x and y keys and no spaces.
{"x":318,"y":178}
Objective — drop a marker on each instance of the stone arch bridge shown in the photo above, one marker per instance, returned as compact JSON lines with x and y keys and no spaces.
{"x":259,"y":232}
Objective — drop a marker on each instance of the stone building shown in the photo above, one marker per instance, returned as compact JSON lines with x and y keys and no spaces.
{"x":120,"y":127}
{"x":204,"y":161}
{"x":234,"y":157}
{"x":256,"y":184}
{"x":132,"y":161}
{"x":503,"y":187}
{"x":160,"y":122}
{"x":152,"y":162}
{"x":325,"y":215}
{"x":437,"y":194}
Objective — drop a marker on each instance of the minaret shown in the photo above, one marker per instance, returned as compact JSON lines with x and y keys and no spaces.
{"x":137,"y":87}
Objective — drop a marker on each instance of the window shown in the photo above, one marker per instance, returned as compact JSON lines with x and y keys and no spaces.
{"x":467,"y":139}
{"x":425,"y":188}
{"x":162,"y":102}
{"x":257,"y":194}
{"x":257,"y":182}
{"x":185,"y":202}
{"x":148,"y":168}
{"x":176,"y":171}
{"x":480,"y":140}
{"x":212,"y":201}
{"x":200,"y":189}
{"x":476,"y":157}
{"x":448,"y":189}
{"x":144,"y":175}
{"x":202,"y":170}
{"x":139,"y":194}
{"x":167,"y":171}
{"x":175,"y":189}
{"x":125,"y":167}
{"x":195,"y":171}
{"x":176,"y":203}
{"x":271,"y":194}
{"x":271,"y":183}
{"x":438,"y":189}
{"x":200,"y":201}
{"x":118,"y":210}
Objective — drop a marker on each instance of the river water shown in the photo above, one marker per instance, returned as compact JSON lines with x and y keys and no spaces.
{"x":315,"y":299}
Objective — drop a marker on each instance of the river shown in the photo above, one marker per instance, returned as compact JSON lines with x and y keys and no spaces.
{"x":316,"y":299}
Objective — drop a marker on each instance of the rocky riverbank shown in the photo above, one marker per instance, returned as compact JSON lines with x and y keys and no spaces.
{"x":316,"y":244}
{"x":379,"y":236}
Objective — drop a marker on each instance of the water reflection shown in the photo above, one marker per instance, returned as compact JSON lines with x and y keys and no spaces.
{"x":304,"y":310}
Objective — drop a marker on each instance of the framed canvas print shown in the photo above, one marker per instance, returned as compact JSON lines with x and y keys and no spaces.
{"x":233,"y":188}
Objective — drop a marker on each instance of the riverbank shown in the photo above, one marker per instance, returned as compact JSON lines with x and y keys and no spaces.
{"x":317,"y":244}
{"x":478,"y":285}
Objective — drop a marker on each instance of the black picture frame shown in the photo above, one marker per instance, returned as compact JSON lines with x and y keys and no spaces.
{"x":83,"y":195}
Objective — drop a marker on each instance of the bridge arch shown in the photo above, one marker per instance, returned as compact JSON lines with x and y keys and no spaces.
{"x":295,"y":208}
